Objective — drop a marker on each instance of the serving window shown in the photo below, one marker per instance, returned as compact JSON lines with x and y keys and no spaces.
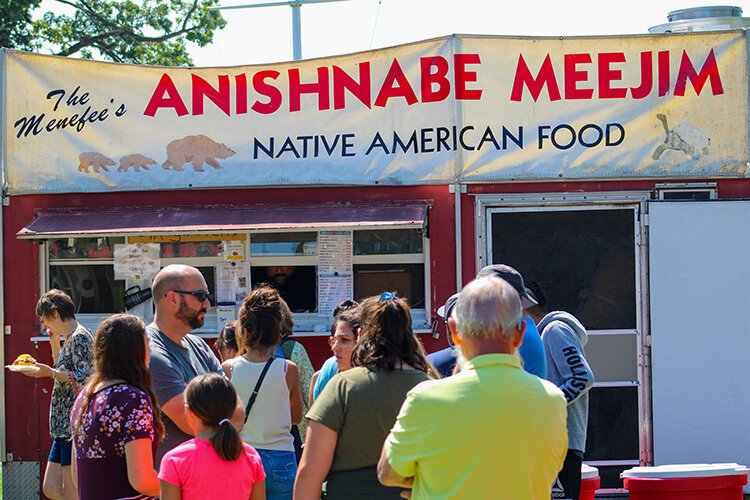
{"x":390,"y":259}
{"x":382,"y":256}
{"x":82,"y":267}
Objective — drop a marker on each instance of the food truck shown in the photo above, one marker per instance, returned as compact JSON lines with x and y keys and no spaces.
{"x":610,"y":170}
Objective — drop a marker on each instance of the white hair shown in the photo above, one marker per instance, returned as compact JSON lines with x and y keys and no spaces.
{"x":488,"y":307}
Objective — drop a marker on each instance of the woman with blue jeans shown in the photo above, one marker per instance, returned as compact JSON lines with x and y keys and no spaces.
{"x":278,"y":403}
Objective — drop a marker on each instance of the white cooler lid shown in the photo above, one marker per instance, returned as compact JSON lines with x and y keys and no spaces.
{"x":686,"y":470}
{"x":588,"y":472}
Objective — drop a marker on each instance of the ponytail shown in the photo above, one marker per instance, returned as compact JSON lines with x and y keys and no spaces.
{"x":227,"y":441}
{"x":387,"y":340}
{"x":212,"y":398}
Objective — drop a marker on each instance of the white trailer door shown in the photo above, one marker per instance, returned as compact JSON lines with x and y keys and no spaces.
{"x":700,"y":327}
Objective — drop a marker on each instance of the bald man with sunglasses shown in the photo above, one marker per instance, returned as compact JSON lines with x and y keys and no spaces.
{"x":181,"y":298}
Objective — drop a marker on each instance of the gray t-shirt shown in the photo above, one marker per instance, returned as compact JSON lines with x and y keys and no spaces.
{"x":172,"y":367}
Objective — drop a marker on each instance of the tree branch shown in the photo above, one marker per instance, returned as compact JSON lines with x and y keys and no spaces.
{"x":189,"y":14}
{"x":83,"y":6}
{"x":92,"y":41}
{"x":116,"y":29}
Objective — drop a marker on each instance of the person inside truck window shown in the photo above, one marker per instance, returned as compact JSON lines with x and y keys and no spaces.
{"x":296,"y":285}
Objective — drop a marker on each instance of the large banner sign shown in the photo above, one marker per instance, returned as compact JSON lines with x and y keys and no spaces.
{"x":461,"y":108}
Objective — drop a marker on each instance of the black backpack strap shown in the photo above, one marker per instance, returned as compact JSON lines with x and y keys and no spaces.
{"x":254,"y":395}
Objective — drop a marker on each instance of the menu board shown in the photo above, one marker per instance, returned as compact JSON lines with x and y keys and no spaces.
{"x":137,"y":261}
{"x":335,"y":271}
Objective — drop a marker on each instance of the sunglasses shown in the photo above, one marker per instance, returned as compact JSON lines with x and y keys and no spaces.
{"x":201,"y":295}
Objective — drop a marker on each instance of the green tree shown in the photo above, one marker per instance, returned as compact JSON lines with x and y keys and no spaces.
{"x":15,"y":22}
{"x":138,"y":32}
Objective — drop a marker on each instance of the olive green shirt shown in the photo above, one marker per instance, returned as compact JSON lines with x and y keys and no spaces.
{"x":361,"y":405}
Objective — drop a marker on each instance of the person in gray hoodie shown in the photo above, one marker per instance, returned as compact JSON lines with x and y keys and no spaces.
{"x":564,"y":337}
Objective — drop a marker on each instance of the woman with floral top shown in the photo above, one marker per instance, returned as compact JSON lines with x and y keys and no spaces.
{"x":72,"y":362}
{"x":296,"y":353}
{"x":115,"y":428}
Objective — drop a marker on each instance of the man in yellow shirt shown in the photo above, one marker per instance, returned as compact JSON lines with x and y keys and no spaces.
{"x":491,"y":431}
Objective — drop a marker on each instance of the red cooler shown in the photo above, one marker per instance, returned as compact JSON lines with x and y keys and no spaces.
{"x":686,"y":482}
{"x":589,"y":482}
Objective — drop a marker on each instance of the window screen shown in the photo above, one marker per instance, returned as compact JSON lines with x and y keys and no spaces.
{"x":583,"y":259}
{"x":93,"y":288}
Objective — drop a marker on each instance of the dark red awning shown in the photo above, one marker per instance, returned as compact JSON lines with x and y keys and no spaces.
{"x":196,"y":220}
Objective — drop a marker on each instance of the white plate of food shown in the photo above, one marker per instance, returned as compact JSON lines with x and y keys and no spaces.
{"x":23,"y":363}
{"x":22,"y":368}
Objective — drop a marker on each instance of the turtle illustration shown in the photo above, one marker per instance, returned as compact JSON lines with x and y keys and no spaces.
{"x":684,"y":137}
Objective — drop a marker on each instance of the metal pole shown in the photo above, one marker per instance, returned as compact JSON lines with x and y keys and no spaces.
{"x":458,"y":114}
{"x":3,"y":193}
{"x":459,"y":240}
{"x":296,"y":18}
{"x":296,"y":31}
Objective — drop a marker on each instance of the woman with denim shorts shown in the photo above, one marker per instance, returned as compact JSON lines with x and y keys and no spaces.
{"x":72,"y":364}
{"x":278,"y":404}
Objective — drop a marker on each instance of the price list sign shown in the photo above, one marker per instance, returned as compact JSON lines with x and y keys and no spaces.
{"x":335,"y":271}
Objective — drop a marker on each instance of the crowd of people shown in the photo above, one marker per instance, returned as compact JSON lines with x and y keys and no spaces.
{"x":143,"y":411}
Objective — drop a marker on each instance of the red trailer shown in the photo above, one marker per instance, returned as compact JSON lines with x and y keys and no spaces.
{"x":608,"y":169}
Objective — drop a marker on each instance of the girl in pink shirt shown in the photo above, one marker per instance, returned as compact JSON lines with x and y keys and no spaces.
{"x":191,"y":470}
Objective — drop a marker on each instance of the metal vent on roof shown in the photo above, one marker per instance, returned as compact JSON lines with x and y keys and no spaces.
{"x":709,"y":18}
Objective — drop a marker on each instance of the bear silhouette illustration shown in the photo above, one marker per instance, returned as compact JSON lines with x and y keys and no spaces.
{"x":137,"y":161}
{"x":94,"y":160}
{"x":197,"y":150}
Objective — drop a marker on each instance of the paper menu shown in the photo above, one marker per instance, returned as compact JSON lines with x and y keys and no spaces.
{"x":136,"y":261}
{"x":335,"y":270}
{"x":232,"y":281}
{"x":234,"y":251}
